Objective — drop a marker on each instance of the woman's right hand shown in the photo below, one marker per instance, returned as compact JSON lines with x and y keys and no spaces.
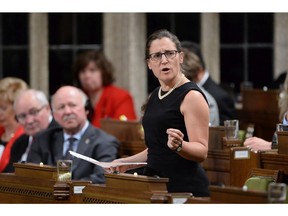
{"x":118,"y":168}
{"x":138,"y":159}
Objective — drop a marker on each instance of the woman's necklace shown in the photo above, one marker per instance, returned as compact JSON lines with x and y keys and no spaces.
{"x":169,"y":92}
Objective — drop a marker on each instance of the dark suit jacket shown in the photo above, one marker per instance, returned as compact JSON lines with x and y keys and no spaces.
{"x":224,"y":101}
{"x":19,"y":148}
{"x":95,"y":143}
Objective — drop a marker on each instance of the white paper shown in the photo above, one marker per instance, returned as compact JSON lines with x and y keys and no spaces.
{"x":78,"y":189}
{"x":104,"y":164}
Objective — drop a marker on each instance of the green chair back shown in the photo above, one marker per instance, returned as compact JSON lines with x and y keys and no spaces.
{"x":258,"y":183}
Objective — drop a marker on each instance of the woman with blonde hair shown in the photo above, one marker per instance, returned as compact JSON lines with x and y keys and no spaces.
{"x":10,"y":87}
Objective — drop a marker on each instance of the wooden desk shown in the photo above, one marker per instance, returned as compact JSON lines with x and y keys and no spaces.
{"x":242,"y":160}
{"x":32,"y":183}
{"x":273,"y":160}
{"x":222,"y":162}
{"x":230,"y":195}
{"x":217,"y":167}
{"x":230,"y":167}
{"x":282,"y":142}
{"x":35,"y":184}
{"x":126,"y":188}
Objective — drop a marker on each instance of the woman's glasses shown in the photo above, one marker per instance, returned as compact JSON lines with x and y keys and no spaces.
{"x":169,"y":54}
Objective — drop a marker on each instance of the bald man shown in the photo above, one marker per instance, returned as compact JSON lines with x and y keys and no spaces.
{"x":68,"y":105}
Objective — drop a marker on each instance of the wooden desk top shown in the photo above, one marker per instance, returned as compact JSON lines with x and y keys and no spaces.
{"x":32,"y":183}
{"x":229,"y":195}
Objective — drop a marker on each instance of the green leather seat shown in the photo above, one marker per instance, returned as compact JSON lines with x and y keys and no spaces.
{"x":259,"y":183}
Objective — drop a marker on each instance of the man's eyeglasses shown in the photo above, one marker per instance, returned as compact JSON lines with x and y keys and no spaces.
{"x":32,"y":112}
{"x":169,"y":54}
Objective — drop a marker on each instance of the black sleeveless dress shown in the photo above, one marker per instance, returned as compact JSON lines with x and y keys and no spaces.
{"x":184,"y":175}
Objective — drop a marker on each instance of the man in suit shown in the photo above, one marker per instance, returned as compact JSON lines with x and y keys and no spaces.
{"x":33,"y":112}
{"x":68,"y":105}
{"x":224,"y":101}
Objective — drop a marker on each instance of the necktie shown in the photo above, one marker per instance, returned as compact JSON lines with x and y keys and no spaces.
{"x":71,"y":140}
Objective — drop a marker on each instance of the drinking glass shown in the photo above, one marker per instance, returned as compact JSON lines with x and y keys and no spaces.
{"x":277,"y":192}
{"x":231,"y":129}
{"x":64,"y":170}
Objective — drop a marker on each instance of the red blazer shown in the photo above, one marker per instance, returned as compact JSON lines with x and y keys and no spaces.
{"x":6,"y":153}
{"x":113,"y":103}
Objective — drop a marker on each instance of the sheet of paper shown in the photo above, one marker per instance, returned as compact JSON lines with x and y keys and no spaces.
{"x":103,"y":164}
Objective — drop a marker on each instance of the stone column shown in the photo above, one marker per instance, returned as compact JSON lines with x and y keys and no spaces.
{"x":210,"y":43}
{"x":124,"y":45}
{"x":280,"y":43}
{"x":38,"y":51}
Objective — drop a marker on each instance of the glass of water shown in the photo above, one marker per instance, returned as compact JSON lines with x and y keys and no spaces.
{"x":277,"y":192}
{"x":231,"y":129}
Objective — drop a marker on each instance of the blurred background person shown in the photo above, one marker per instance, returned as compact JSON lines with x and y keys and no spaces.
{"x":191,"y":68}
{"x":94,"y":74}
{"x":10,"y":87}
{"x":224,"y":101}
{"x":259,"y":144}
{"x":68,"y":105}
{"x":33,"y":112}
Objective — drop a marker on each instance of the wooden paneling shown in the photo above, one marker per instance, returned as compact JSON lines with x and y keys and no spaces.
{"x":129,"y":133}
{"x":260,"y":108}
{"x":282,"y":142}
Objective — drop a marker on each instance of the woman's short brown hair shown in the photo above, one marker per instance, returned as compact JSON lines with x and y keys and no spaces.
{"x":98,"y":57}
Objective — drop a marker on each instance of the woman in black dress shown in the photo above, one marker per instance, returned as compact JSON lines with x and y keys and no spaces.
{"x":175,"y":121}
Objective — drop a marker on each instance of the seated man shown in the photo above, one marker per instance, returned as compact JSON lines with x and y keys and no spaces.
{"x":68,"y":105}
{"x":33,"y":112}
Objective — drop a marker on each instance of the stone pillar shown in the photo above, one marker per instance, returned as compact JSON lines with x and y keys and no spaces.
{"x":280,"y":43}
{"x":210,"y":43}
{"x":38,"y":51}
{"x":124,"y":45}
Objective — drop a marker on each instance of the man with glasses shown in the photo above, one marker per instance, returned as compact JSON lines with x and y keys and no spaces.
{"x":33,"y":112}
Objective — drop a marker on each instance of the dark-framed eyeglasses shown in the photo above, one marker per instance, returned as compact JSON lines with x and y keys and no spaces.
{"x":32,"y":112}
{"x":169,"y":54}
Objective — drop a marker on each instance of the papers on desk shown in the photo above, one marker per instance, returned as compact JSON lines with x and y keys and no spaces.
{"x":104,"y":164}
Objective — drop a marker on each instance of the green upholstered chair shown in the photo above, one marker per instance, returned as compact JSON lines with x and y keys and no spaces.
{"x":259,"y":183}
{"x":259,"y":178}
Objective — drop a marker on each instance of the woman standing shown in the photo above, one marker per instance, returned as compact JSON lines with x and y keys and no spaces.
{"x":175,"y":121}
